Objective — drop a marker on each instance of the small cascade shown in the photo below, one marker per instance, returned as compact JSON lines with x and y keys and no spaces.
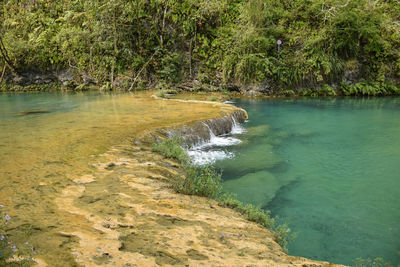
{"x":214,"y":149}
{"x":236,"y":127}
{"x":212,"y":135}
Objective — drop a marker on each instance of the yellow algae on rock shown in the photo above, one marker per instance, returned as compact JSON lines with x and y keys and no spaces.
{"x":93,"y":195}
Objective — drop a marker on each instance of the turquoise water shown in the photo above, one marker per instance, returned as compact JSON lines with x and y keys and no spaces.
{"x":330,"y":168}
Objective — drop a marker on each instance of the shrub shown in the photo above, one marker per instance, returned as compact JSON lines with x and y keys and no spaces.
{"x":161,"y":94}
{"x":364,"y":88}
{"x":326,"y":90}
{"x":251,"y":212}
{"x":171,"y":148}
{"x":171,"y":67}
{"x":201,"y":181}
{"x":288,"y":92}
{"x":306,"y":92}
{"x":283,"y":235}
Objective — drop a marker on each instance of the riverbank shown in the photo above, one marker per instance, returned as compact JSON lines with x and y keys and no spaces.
{"x":163,"y":227}
{"x":148,"y":224}
{"x":362,"y":88}
{"x":93,"y":194}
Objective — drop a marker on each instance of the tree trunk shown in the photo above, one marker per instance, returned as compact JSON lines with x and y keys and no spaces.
{"x":139,"y":29}
{"x":6,"y":59}
{"x":163,"y":25}
{"x":115,"y":37}
{"x":190,"y":56}
{"x":3,"y":72}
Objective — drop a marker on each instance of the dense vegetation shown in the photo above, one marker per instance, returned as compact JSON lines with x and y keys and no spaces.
{"x":207,"y":44}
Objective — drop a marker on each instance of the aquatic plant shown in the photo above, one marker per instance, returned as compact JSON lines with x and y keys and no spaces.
{"x":378,"y":262}
{"x":10,"y":254}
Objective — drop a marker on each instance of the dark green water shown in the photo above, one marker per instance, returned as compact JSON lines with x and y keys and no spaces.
{"x":329,"y":168}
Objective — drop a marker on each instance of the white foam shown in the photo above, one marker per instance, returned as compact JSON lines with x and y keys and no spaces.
{"x":236,"y":127}
{"x":209,"y":152}
{"x":200,"y":157}
{"x":218,"y":141}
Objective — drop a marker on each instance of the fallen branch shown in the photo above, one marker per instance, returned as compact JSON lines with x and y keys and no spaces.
{"x":140,"y":71}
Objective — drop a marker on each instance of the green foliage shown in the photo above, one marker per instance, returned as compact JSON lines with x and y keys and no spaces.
{"x":318,"y":37}
{"x":171,"y":148}
{"x":255,"y":214}
{"x":201,"y":181}
{"x":171,"y":65}
{"x":283,"y":235}
{"x":8,"y":250}
{"x":364,"y":88}
{"x":326,"y":90}
{"x":288,"y":93}
{"x":251,"y":212}
{"x":161,"y":94}
{"x":51,"y":87}
{"x":220,"y":41}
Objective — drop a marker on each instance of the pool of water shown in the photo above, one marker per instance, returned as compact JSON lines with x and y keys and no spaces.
{"x":330,"y":168}
{"x":48,"y":140}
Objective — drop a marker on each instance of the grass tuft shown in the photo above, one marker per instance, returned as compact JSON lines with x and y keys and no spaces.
{"x":202,"y":181}
{"x":171,"y":148}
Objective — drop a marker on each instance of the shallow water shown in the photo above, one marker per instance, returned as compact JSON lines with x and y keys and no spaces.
{"x":328,"y":167}
{"x":49,"y":140}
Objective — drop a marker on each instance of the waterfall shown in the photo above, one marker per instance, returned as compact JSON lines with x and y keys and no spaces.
{"x":214,"y":149}
{"x":236,"y":127}
{"x":212,"y":135}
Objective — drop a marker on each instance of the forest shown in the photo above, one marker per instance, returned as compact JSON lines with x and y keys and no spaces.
{"x":327,"y":47}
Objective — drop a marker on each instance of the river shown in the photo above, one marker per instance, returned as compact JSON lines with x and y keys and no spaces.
{"x":327,"y":167}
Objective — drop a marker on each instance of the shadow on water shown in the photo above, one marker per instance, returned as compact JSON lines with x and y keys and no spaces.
{"x":280,"y":200}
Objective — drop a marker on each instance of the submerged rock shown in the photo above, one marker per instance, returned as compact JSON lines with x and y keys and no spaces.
{"x":241,"y":165}
{"x":254,"y":188}
{"x":32,"y":112}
